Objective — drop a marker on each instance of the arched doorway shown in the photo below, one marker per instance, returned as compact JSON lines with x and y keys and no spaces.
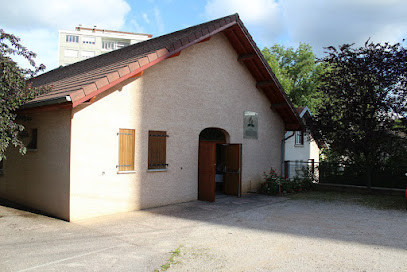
{"x":219,"y":165}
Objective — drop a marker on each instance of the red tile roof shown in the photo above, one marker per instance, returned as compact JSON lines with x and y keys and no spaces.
{"x":83,"y":80}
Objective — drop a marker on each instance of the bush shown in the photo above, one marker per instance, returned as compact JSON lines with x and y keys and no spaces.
{"x":274,"y":184}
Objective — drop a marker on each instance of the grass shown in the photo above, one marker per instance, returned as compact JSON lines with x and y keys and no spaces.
{"x":383,"y":202}
{"x":171,"y":260}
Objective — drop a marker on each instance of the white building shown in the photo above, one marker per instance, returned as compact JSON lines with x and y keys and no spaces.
{"x":300,"y":149}
{"x":83,"y":43}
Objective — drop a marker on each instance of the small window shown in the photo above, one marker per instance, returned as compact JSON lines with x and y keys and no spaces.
{"x":88,"y":40}
{"x":299,"y":138}
{"x":1,"y":167}
{"x":87,"y":54}
{"x":72,"y":38}
{"x":126,"y":149}
{"x":32,"y":145}
{"x":109,"y":45}
{"x":71,"y":53}
{"x":121,"y":45}
{"x":157,"y":148}
{"x":113,"y":45}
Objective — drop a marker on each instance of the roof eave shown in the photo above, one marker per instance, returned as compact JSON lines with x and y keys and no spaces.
{"x":47,"y":102}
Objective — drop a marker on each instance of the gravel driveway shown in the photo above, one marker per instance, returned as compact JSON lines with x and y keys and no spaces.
{"x":253,"y":233}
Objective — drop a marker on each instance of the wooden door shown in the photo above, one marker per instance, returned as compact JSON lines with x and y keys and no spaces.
{"x":233,"y":173}
{"x":206,"y":171}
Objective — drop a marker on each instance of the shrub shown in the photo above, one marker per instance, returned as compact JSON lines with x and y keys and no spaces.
{"x":274,"y":184}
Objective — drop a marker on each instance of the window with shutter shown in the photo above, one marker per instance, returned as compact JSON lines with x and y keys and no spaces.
{"x":126,"y":149}
{"x":157,"y":147}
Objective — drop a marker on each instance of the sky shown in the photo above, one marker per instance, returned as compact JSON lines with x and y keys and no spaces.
{"x":320,"y":23}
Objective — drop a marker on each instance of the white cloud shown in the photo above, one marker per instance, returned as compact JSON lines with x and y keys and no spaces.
{"x":28,"y":14}
{"x":137,"y":27}
{"x":323,"y":23}
{"x":37,"y":22}
{"x":145,"y":17}
{"x":260,"y":16}
{"x":318,"y":22}
{"x":44,"y":43}
{"x":158,"y":20}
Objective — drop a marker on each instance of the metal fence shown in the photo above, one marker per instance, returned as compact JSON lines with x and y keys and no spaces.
{"x":301,"y":169}
{"x":354,"y":174}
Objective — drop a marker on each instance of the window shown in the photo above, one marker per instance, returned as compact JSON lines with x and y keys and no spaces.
{"x":88,"y":40}
{"x":1,"y":167}
{"x":121,"y":45}
{"x":87,"y":54}
{"x":71,"y":53}
{"x":108,"y":45}
{"x":157,"y":148}
{"x":32,"y":145}
{"x":113,"y":45}
{"x":72,"y":38}
{"x":299,"y":138}
{"x":126,"y":149}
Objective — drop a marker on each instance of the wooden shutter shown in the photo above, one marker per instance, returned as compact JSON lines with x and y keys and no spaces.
{"x":157,"y":148}
{"x":126,"y":149}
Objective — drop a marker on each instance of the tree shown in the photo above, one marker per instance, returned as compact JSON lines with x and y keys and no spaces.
{"x":362,"y":116}
{"x":15,"y":90}
{"x":297,"y":71}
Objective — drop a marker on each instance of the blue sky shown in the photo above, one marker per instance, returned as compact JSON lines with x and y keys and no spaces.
{"x":288,"y":22}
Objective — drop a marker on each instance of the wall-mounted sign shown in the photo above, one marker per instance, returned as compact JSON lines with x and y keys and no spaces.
{"x":250,"y":124}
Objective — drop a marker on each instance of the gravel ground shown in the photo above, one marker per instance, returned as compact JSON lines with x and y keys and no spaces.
{"x":253,"y":233}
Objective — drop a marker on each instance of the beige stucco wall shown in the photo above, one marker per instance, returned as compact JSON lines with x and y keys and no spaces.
{"x":203,"y":87}
{"x":40,"y":178}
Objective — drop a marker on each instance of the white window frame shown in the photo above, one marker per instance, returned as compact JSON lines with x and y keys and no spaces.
{"x":113,"y":45}
{"x":299,"y":138}
{"x":72,"y":38}
{"x":88,"y":40}
{"x":85,"y":54}
{"x":69,"y":53}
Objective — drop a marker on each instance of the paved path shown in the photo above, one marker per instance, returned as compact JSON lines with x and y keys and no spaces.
{"x":253,"y":233}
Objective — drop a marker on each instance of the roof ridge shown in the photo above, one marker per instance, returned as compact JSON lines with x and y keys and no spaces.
{"x":86,"y":79}
{"x":82,"y":63}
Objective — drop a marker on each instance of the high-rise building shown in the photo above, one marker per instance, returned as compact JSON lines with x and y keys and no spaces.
{"x":83,"y":43}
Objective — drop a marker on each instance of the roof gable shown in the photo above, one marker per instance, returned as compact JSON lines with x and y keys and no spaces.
{"x":302,"y":111}
{"x":83,"y":80}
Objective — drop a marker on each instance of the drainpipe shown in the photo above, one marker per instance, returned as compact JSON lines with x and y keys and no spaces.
{"x":283,"y":151}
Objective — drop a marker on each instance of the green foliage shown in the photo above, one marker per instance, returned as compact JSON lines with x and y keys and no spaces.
{"x":171,"y":260}
{"x":297,"y":72}
{"x":363,"y":112}
{"x":14,"y":88}
{"x":274,"y":184}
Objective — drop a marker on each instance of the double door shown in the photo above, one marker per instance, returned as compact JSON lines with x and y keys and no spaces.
{"x":231,"y":156}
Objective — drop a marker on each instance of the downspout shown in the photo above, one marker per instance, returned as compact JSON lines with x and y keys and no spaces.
{"x":283,"y":151}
